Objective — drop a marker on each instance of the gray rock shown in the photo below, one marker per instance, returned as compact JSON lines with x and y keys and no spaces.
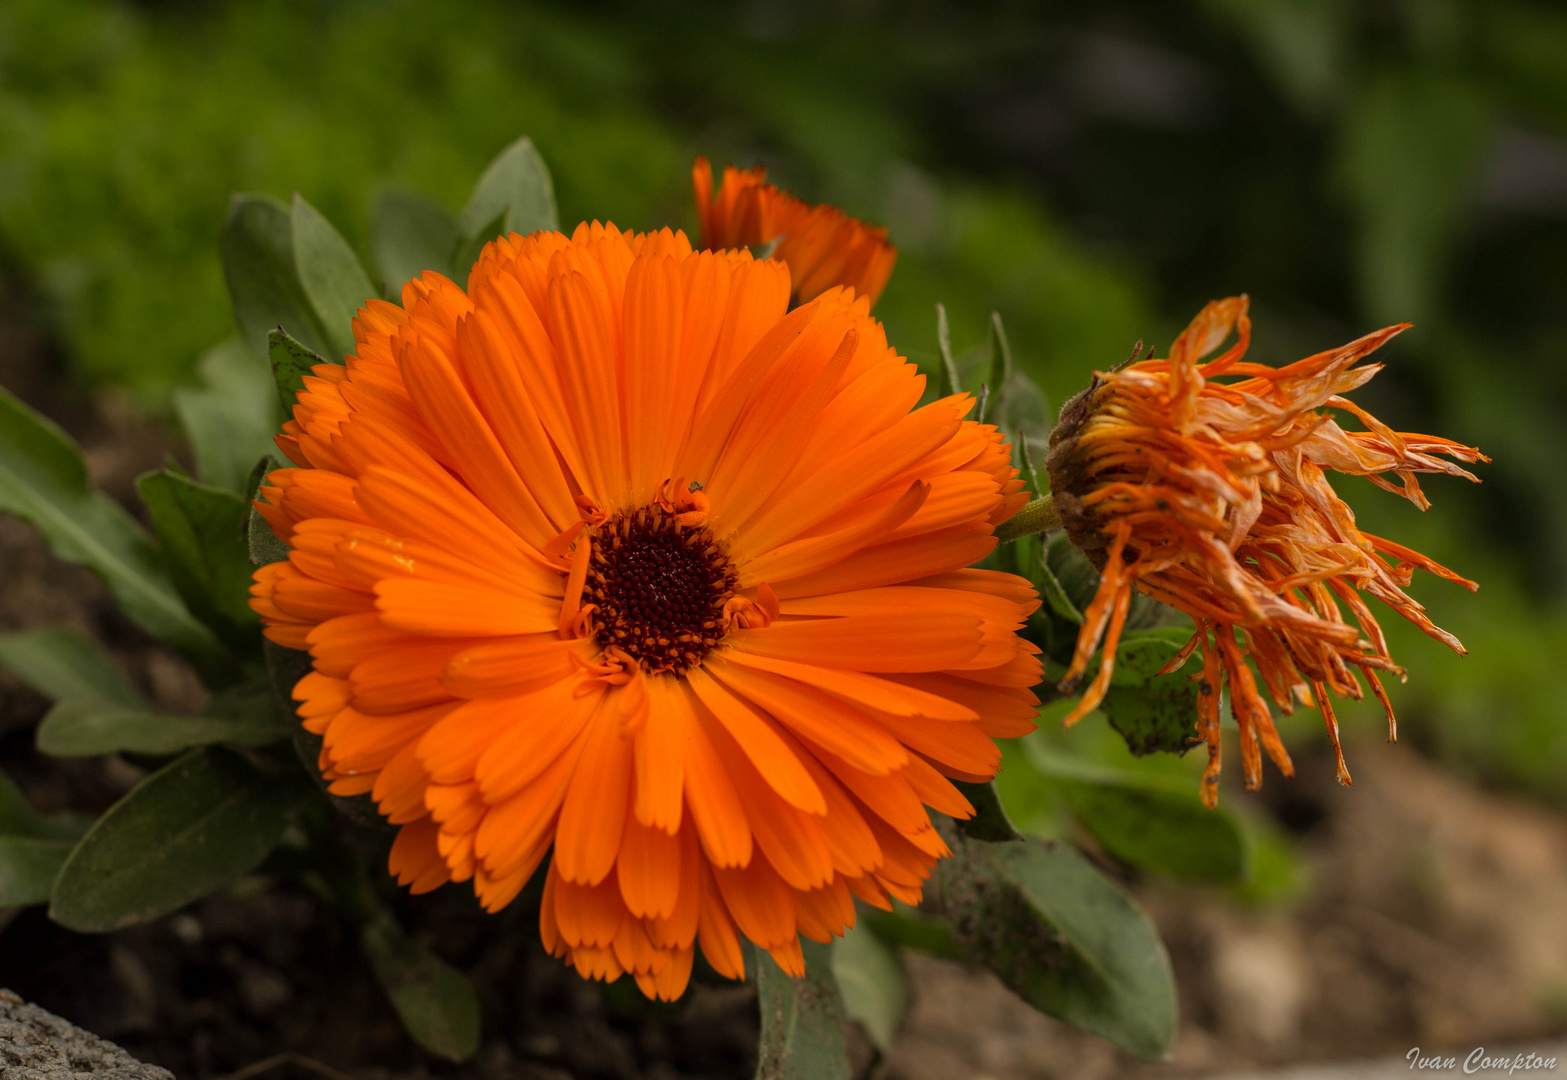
{"x":37,"y":1045}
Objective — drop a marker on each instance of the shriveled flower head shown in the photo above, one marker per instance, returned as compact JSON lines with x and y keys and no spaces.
{"x":823,"y":247}
{"x":1212,"y":497}
{"x":614,"y":555}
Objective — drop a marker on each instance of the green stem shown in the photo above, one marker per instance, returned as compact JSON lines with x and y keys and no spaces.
{"x":1038,"y":516}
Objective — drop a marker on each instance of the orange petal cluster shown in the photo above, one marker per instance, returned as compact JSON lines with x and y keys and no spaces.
{"x":1212,"y":496}
{"x":615,"y":557}
{"x":823,"y":247}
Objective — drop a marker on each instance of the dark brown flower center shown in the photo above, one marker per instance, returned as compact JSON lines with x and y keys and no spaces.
{"x":659,"y":588}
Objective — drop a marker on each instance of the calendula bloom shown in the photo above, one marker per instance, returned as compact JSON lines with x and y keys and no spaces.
{"x":614,"y":555}
{"x":1211,"y":496}
{"x":822,"y":246}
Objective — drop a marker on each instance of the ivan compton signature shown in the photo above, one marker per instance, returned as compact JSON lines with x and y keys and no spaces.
{"x":1479,"y":1060}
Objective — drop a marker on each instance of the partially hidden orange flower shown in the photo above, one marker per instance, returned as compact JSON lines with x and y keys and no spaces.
{"x":615,"y":556}
{"x":822,"y":246}
{"x":1212,"y":497}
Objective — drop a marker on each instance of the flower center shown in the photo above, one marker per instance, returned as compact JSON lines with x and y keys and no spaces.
{"x":659,"y":588}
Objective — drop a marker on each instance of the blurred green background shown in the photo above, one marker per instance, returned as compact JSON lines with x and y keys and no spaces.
{"x":1093,"y":172}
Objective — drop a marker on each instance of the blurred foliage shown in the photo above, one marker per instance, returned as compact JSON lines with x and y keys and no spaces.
{"x":1094,"y":172}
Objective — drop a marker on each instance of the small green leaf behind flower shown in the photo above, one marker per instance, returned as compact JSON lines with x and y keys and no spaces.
{"x":802,"y":1019}
{"x":291,"y":362}
{"x":468,"y":249}
{"x":872,"y":982}
{"x":333,"y":280}
{"x":410,"y":234}
{"x":1153,"y":822}
{"x":515,"y":188}
{"x":257,"y":249}
{"x":202,"y":530}
{"x":231,"y":417}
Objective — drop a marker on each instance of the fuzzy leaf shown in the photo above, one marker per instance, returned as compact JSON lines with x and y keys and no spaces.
{"x":263,"y":545}
{"x":953,"y":383}
{"x":998,"y":372}
{"x":517,"y":185}
{"x":1064,"y":937}
{"x":188,"y":829}
{"x":257,"y":248}
{"x":1052,"y":592}
{"x":334,"y":281}
{"x":435,"y":1001}
{"x":44,"y":480}
{"x":469,"y":248}
{"x":60,"y":663}
{"x":906,"y":927}
{"x":871,"y":980}
{"x":802,"y":1019}
{"x":1151,"y":822}
{"x":203,"y":533}
{"x":1154,"y":713}
{"x":231,"y":418}
{"x":291,"y":362}
{"x":990,"y":820}
{"x":410,"y":234}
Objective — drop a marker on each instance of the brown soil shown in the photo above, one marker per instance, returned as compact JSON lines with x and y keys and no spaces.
{"x":1434,"y":918}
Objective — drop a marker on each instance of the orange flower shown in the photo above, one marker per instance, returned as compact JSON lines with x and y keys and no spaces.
{"x":822,"y":246}
{"x":1211,"y":497}
{"x":612,"y":555}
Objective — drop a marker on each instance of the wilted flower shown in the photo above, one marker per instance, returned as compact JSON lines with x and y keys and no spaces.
{"x":823,"y":246}
{"x":614,"y":555}
{"x":1211,"y":496}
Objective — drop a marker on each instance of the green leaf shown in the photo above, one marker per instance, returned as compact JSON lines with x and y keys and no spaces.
{"x":517,"y":185}
{"x":949,"y":369}
{"x":1150,"y":822}
{"x":60,"y":663}
{"x":802,"y":1019}
{"x":231,"y":418}
{"x":203,"y":533}
{"x":469,"y":248}
{"x":1000,"y":367}
{"x":873,"y":985}
{"x":435,"y":1001}
{"x":188,"y":829}
{"x":291,"y":362}
{"x":1064,"y":937}
{"x":1154,"y":713}
{"x":264,"y":546}
{"x":28,"y":868}
{"x":1028,"y":469}
{"x":334,"y":281}
{"x":84,"y":727}
{"x":19,"y":819}
{"x":1054,"y":595}
{"x":906,"y":927}
{"x":1079,"y":580}
{"x":257,"y":247}
{"x":17,"y":816}
{"x":410,"y":234}
{"x":990,"y":820}
{"x":44,"y":480}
